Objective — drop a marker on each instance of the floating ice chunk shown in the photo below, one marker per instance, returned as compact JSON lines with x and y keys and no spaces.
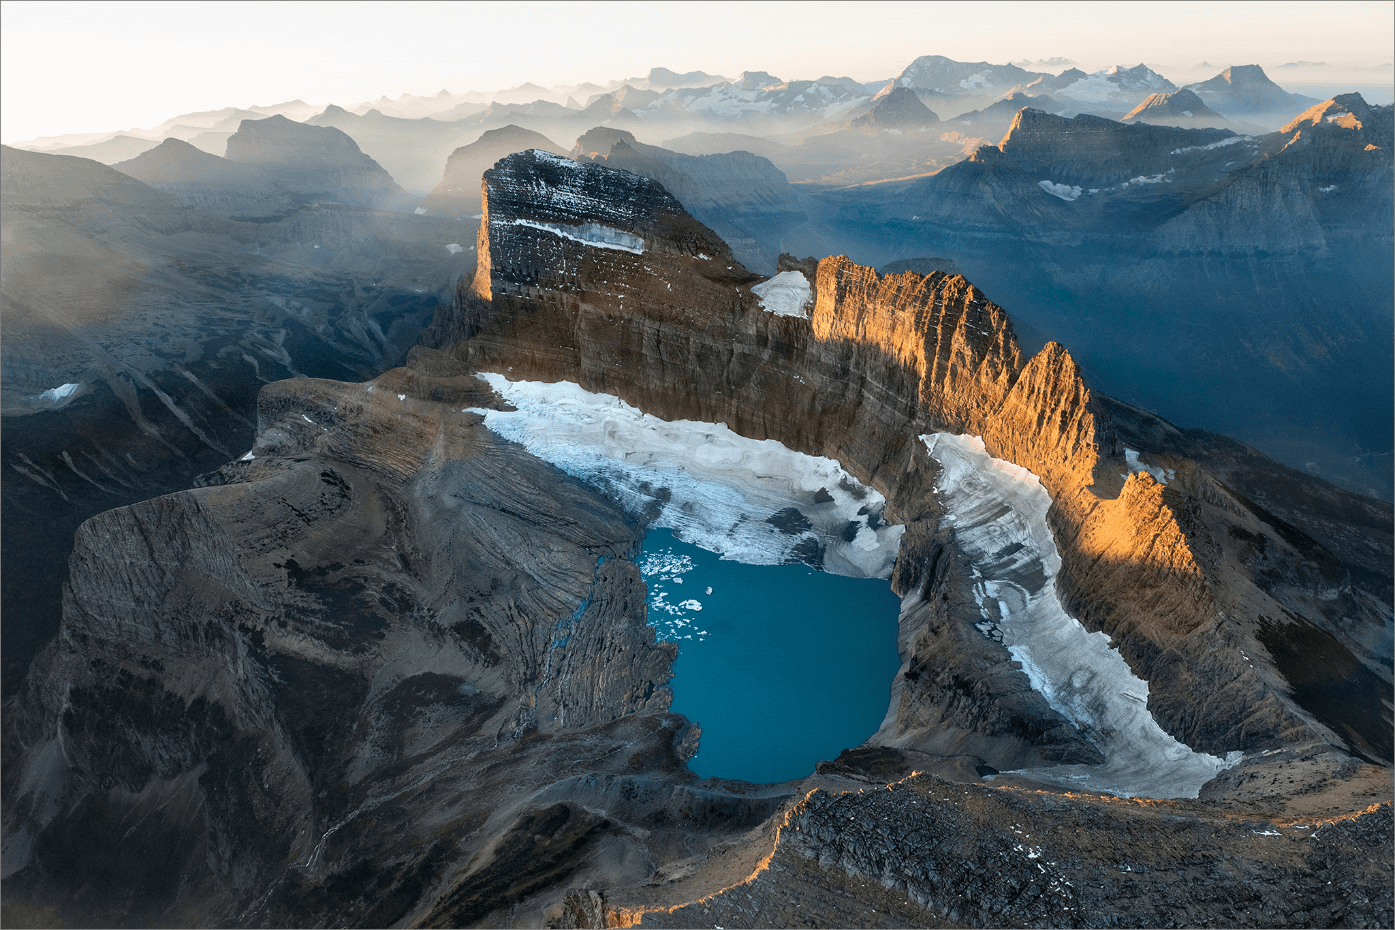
{"x":690,"y":604}
{"x":593,"y":234}
{"x":752,"y":501}
{"x":1064,"y":191}
{"x":420,"y":211}
{"x":709,"y":589}
{"x":786,"y":294}
{"x":454,"y":248}
{"x":998,"y":511}
{"x":1162,"y":474}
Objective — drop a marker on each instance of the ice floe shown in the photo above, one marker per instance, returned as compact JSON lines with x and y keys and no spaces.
{"x":592,"y":234}
{"x":998,"y":512}
{"x":1064,"y":191}
{"x":786,"y":294}
{"x":752,"y":501}
{"x":670,"y":621}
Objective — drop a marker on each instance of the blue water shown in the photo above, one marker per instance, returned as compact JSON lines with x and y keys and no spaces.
{"x":780,"y":665}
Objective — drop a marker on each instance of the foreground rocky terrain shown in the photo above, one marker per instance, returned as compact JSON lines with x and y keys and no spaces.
{"x":388,"y":668}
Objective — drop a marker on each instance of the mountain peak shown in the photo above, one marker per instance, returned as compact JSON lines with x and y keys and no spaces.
{"x":755,"y":80}
{"x":899,"y":108}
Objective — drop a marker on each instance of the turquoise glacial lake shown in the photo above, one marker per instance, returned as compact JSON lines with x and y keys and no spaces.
{"x":781,"y":665}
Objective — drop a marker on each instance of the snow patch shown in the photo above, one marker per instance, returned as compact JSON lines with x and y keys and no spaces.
{"x":1328,"y":189}
{"x":1162,"y":474}
{"x":1155,"y":179}
{"x":1064,"y":191}
{"x":592,"y":234}
{"x":751,"y":501}
{"x":247,"y":458}
{"x":62,"y":392}
{"x":1232,"y":140}
{"x":420,"y":211}
{"x":786,"y":294}
{"x":454,"y":247}
{"x":998,"y":511}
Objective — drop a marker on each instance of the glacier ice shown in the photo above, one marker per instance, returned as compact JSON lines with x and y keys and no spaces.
{"x":1064,"y":191}
{"x":786,"y":294}
{"x":749,"y":500}
{"x":998,"y":512}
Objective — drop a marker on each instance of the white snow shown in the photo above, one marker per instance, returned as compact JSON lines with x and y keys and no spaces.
{"x":689,"y":604}
{"x":1064,"y":191}
{"x":704,"y":257}
{"x":1232,"y":140}
{"x":1326,"y":190}
{"x":1162,"y":474}
{"x":786,"y":294}
{"x":454,"y":247}
{"x":60,"y":392}
{"x":420,"y":211}
{"x":713,"y":487}
{"x":592,"y":234}
{"x":998,"y":511}
{"x":1186,"y":112}
{"x":1155,"y":179}
{"x":306,"y":419}
{"x":247,"y":458}
{"x":401,"y":396}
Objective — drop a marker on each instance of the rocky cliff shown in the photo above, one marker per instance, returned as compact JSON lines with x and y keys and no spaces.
{"x":458,"y":192}
{"x":387,"y":668}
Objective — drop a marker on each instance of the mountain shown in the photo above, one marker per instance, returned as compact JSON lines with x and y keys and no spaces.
{"x":315,"y":161}
{"x":1184,"y":109}
{"x":899,"y":110}
{"x":220,"y":186}
{"x":1111,"y":91}
{"x":992,"y":122}
{"x":663,"y":78}
{"x":939,"y":75}
{"x":109,"y":152}
{"x":458,"y":193}
{"x":412,"y":150}
{"x":1245,"y":92}
{"x":392,"y":667}
{"x":1089,"y":226}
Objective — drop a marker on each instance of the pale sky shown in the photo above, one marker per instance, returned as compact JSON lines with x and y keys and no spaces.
{"x":95,"y":67}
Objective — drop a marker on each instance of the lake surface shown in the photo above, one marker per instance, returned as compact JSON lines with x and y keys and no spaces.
{"x":781,"y":665}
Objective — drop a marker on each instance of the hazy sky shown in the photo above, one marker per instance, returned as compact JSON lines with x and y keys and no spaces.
{"x":90,"y":67}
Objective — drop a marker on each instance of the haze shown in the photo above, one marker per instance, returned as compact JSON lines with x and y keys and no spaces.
{"x":89,"y":67}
